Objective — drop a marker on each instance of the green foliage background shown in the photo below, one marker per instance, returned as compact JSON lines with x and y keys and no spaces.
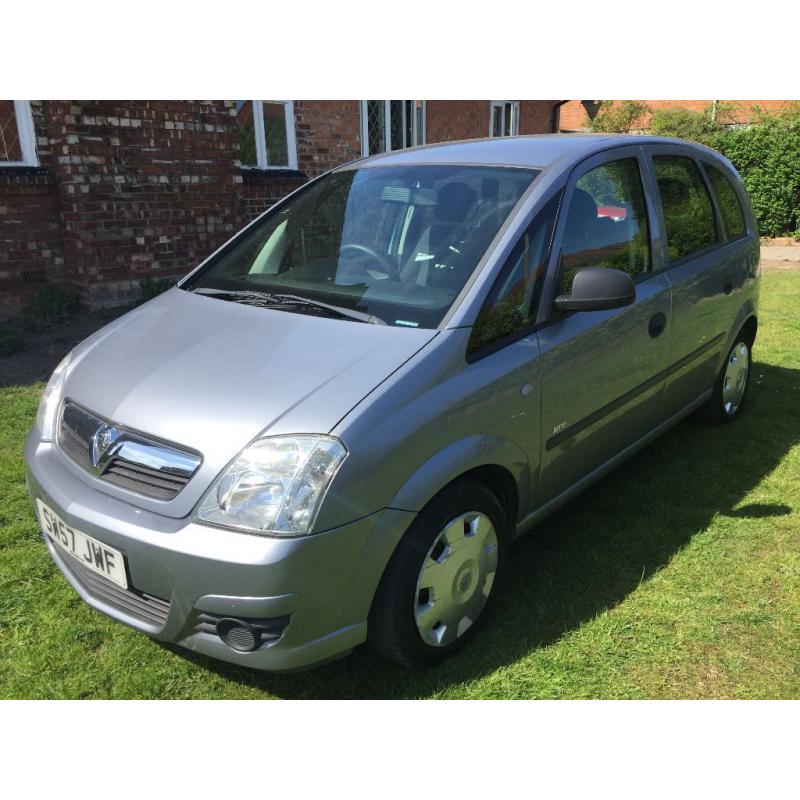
{"x":766,"y":152}
{"x":767,"y":156}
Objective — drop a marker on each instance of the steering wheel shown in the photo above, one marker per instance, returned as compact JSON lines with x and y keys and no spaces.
{"x":389,"y":267}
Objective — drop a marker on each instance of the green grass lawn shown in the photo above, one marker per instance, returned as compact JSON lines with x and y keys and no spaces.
{"x":676,"y":576}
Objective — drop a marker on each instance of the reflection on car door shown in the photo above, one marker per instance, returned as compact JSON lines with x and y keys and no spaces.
{"x":602,"y":371}
{"x":700,"y":278}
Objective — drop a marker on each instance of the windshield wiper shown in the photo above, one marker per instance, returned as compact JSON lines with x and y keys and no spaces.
{"x":266,"y":299}
{"x":349,"y":313}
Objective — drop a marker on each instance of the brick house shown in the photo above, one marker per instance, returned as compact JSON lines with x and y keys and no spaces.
{"x":97,"y":195}
{"x":575,"y":114}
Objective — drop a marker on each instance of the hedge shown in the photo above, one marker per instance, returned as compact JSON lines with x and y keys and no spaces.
{"x":767,"y":156}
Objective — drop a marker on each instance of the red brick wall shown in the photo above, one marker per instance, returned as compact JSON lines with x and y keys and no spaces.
{"x":536,"y":116}
{"x":147,"y":189}
{"x":574,"y":116}
{"x":451,"y":120}
{"x":134,"y":189}
{"x":328,"y":134}
{"x":31,"y":235}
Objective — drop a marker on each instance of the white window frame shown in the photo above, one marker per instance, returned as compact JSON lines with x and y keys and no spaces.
{"x":27,"y":136}
{"x":500,"y":106}
{"x":261,"y":140}
{"x":387,"y":127}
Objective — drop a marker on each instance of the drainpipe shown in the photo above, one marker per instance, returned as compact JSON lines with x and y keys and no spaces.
{"x":714,"y":110}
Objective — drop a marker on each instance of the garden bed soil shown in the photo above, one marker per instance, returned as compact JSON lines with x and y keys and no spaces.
{"x":38,"y":350}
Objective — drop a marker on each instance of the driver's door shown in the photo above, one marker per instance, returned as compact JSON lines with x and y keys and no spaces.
{"x":602,"y":372}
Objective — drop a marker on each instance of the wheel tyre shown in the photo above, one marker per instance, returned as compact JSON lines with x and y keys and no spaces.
{"x":714,"y":412}
{"x":392,"y":624}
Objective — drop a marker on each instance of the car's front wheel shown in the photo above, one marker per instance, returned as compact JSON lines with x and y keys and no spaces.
{"x":438,"y":586}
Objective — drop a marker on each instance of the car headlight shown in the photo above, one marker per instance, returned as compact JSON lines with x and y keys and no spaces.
{"x":48,"y":405}
{"x":274,"y":486}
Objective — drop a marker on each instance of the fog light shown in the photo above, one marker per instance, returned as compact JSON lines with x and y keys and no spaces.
{"x":238,"y":634}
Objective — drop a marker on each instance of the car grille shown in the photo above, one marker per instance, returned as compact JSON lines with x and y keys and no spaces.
{"x":131,"y":461}
{"x":141,"y":606}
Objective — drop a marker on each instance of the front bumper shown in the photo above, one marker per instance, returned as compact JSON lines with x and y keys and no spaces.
{"x":183,"y":574}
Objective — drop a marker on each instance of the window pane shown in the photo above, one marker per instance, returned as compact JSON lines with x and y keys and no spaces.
{"x":376,"y":124}
{"x":728,"y":202}
{"x":408,"y":106}
{"x":396,"y":120}
{"x":511,"y":303}
{"x":275,"y":134}
{"x":10,"y":148}
{"x":247,"y":134}
{"x":607,"y":223}
{"x":396,"y":242}
{"x":688,"y":213}
{"x":497,"y":120}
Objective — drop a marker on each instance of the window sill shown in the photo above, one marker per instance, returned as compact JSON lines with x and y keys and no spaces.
{"x":22,"y":169}
{"x":255,"y":175}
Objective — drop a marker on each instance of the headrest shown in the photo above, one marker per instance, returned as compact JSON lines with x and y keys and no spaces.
{"x":455,"y":201}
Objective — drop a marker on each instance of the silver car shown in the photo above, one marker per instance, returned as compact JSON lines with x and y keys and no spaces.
{"x":331,"y":430}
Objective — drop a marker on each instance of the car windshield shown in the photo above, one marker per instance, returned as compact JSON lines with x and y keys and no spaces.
{"x":393,"y":244}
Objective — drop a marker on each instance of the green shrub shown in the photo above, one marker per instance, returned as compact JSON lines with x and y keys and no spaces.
{"x":51,"y":304}
{"x":622,"y":117}
{"x":682,"y":123}
{"x":153,"y":287}
{"x":7,"y":343}
{"x":767,"y":156}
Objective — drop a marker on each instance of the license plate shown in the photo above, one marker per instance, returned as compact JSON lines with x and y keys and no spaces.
{"x":94,"y":555}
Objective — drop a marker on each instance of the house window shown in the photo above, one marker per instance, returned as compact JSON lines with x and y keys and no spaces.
{"x":504,"y":118}
{"x":403,"y":120}
{"x":266,"y":134}
{"x":17,"y":137}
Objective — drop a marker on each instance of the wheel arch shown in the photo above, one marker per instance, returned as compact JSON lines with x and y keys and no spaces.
{"x":497,"y":463}
{"x":746,"y":320}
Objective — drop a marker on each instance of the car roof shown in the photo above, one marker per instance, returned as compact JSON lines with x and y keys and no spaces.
{"x":537,"y":151}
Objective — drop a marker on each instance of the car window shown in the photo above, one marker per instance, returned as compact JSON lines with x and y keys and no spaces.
{"x":688,"y":213}
{"x":510,"y":305}
{"x":728,"y":203}
{"x":397,"y":242}
{"x":606,"y":223}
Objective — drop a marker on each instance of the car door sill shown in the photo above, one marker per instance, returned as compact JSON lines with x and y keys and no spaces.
{"x":525,"y":525}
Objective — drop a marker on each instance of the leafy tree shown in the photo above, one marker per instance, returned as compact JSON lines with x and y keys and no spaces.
{"x":618,"y":117}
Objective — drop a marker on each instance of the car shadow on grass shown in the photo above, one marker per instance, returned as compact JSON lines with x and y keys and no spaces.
{"x":593,"y":553}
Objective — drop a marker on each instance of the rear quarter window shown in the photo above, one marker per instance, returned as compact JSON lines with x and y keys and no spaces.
{"x":688,"y":213}
{"x":730,"y":208}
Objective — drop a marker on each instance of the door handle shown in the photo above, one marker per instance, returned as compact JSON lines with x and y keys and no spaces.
{"x":657,"y":324}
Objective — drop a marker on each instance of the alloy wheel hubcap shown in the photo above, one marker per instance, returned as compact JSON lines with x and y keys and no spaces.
{"x":735,"y":380}
{"x":456,"y":578}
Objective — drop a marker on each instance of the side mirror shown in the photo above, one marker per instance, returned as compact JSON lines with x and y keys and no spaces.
{"x":598,"y":289}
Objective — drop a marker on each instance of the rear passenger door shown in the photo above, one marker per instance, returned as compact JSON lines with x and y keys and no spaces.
{"x":700,"y":279}
{"x":602,"y":372}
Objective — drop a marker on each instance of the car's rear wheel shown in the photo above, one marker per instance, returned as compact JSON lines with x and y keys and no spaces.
{"x":438,"y":586}
{"x":730,"y":389}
